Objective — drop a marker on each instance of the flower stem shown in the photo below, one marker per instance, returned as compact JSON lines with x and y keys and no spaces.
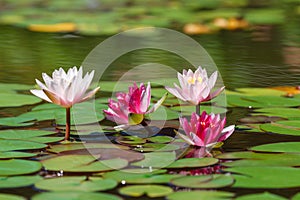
{"x":68,"y":124}
{"x":148,"y":129}
{"x":198,"y":109}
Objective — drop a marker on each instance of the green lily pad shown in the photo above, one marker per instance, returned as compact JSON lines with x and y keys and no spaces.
{"x":263,"y":177}
{"x":211,"y":195}
{"x":193,"y":162}
{"x":15,"y":154}
{"x":82,"y":163}
{"x":149,"y":147}
{"x":288,"y":113}
{"x":156,"y":159}
{"x":259,"y":92}
{"x":15,"y":121}
{"x":149,"y":190}
{"x":18,"y":181}
{"x":76,"y":183}
{"x":280,"y":129}
{"x":187,"y":110}
{"x":23,"y":134}
{"x":265,"y":16}
{"x":112,"y":86}
{"x":205,"y":181}
{"x":130,"y":140}
{"x":278,"y":147}
{"x":296,"y":196}
{"x":163,"y":113}
{"x":11,"y":145}
{"x":11,"y":197}
{"x":154,"y":177}
{"x":18,"y":167}
{"x":45,"y":139}
{"x":14,"y":100}
{"x":261,"y":196}
{"x":74,"y":195}
{"x":160,"y":139}
{"x":58,"y":148}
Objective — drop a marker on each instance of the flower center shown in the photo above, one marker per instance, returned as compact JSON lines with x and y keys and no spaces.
{"x":192,"y":80}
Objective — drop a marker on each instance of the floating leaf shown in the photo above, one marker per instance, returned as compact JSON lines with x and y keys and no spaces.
{"x":261,"y":196}
{"x":14,"y":100}
{"x":163,"y":113}
{"x":18,"y":181}
{"x":211,"y":195}
{"x":76,"y":183}
{"x":74,"y":195}
{"x":45,"y":139}
{"x":82,"y":163}
{"x":296,"y":196}
{"x":160,"y":139}
{"x":278,"y":147}
{"x":130,"y":140}
{"x":11,"y":197}
{"x":280,"y":129}
{"x":149,"y":190}
{"x":18,"y":167}
{"x":149,"y":147}
{"x":156,"y":159}
{"x":193,"y":162}
{"x":15,"y":154}
{"x":15,"y":121}
{"x":204,"y":181}
{"x":23,"y":134}
{"x":187,"y":110}
{"x":289,"y":113}
{"x":10,"y":145}
{"x":265,"y":177}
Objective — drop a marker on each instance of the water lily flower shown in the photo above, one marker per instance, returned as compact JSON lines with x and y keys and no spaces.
{"x":130,"y":108}
{"x":195,"y":87}
{"x":65,"y":89}
{"x":205,"y":130}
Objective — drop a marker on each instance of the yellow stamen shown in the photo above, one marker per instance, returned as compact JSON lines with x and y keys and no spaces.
{"x":192,"y":80}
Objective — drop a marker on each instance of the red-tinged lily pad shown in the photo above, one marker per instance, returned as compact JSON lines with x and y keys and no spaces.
{"x":76,"y":183}
{"x":211,"y":195}
{"x":18,"y":167}
{"x":11,"y":197}
{"x":11,"y":145}
{"x":292,"y":147}
{"x":261,"y":196}
{"x":193,"y":162}
{"x":82,"y":163}
{"x":74,"y":195}
{"x":149,"y":190}
{"x":204,"y":181}
{"x":265,"y":177}
{"x":18,"y":181}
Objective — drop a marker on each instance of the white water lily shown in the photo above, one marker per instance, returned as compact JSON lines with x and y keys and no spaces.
{"x":65,"y":89}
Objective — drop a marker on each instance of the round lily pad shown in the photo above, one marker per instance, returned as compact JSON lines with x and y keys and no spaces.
{"x":278,"y":147}
{"x":23,"y":134}
{"x":156,"y":159}
{"x":193,"y":162}
{"x":11,"y":197}
{"x":15,"y":121}
{"x":205,"y":181}
{"x":15,"y":154}
{"x":280,"y":129}
{"x":211,"y":195}
{"x":82,"y":163}
{"x":14,"y":100}
{"x":296,"y":196}
{"x":18,"y":181}
{"x":18,"y":167}
{"x":289,"y":113}
{"x":76,"y":183}
{"x":74,"y":195}
{"x":265,"y":177}
{"x":160,"y":139}
{"x":45,"y":139}
{"x":130,"y":140}
{"x":149,"y":190}
{"x":261,"y":196}
{"x":10,"y":145}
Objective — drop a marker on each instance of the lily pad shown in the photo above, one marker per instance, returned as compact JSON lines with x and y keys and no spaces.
{"x":160,"y":139}
{"x":23,"y":134}
{"x":156,"y":159}
{"x":163,"y":113}
{"x":130,"y":140}
{"x":11,"y":145}
{"x":204,"y":181}
{"x":288,"y":113}
{"x":149,"y":147}
{"x":18,"y":181}
{"x":280,"y":129}
{"x":74,"y":195}
{"x":11,"y":197}
{"x":211,"y":195}
{"x":15,"y":154}
{"x":149,"y":190}
{"x":193,"y":162}
{"x":187,"y":110}
{"x":45,"y":139}
{"x":14,"y":100}
{"x":76,"y":183}
{"x":82,"y":163}
{"x":278,"y":147}
{"x":15,"y":121}
{"x":18,"y":167}
{"x":296,"y":196}
{"x":261,"y":196}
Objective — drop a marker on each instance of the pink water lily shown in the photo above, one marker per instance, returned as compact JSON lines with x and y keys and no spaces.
{"x":131,"y":107}
{"x":205,"y":130}
{"x":195,"y":87}
{"x":65,"y":89}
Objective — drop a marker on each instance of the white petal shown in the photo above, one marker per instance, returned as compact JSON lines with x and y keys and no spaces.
{"x":40,"y":94}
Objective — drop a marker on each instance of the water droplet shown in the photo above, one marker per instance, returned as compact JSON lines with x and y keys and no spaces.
{"x":250,"y":107}
{"x":123,"y":182}
{"x":150,"y":169}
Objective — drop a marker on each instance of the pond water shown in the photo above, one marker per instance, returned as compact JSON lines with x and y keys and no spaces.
{"x":264,"y":57}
